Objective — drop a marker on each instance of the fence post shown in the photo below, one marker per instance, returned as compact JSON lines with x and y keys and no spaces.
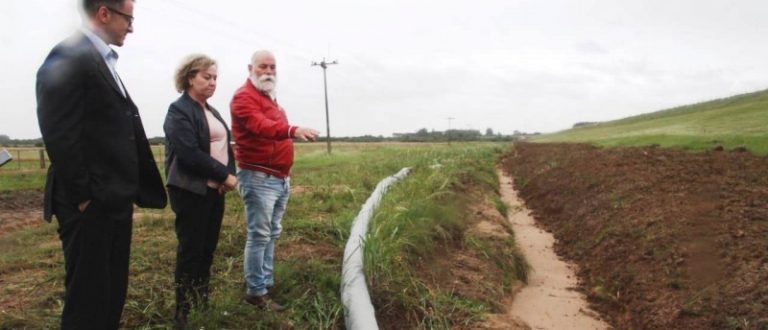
{"x":18,"y":153}
{"x":42,"y":159}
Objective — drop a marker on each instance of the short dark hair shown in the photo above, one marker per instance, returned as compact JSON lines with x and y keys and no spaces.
{"x":91,"y":6}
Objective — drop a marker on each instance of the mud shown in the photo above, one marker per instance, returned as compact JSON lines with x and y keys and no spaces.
{"x":20,"y":209}
{"x":663,"y":239}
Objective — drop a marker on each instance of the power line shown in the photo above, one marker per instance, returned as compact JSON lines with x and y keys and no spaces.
{"x":323,"y":64}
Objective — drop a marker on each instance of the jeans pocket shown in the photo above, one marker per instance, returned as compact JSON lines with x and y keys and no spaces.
{"x":249,"y":179}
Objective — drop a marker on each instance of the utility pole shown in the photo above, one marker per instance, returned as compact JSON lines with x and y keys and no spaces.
{"x":448,"y":132}
{"x":325,"y":65}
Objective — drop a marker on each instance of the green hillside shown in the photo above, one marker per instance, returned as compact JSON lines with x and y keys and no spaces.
{"x":740,"y":120}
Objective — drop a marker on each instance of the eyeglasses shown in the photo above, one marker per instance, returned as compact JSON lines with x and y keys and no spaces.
{"x":128,"y":18}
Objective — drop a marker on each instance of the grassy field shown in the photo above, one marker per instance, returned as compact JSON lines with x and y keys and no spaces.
{"x":25,"y":158}
{"x":21,"y":179}
{"x":740,"y":120}
{"x":425,"y":213}
{"x":29,"y":158}
{"x":25,"y":170}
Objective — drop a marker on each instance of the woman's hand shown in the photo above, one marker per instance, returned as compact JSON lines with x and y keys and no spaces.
{"x":230,"y":183}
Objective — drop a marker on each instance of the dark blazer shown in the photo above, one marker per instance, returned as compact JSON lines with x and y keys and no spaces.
{"x":188,"y":161}
{"x":93,"y":134}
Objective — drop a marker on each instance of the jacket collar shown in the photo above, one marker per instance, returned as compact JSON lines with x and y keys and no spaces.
{"x":190,"y":102}
{"x":101,"y":46}
{"x":101,"y":63}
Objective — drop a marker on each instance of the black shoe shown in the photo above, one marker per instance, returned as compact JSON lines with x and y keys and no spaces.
{"x":264,"y":302}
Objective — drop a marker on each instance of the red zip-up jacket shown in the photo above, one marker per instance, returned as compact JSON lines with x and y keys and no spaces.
{"x":263,"y":137}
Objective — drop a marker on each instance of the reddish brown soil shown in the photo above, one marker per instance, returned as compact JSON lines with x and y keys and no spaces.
{"x":20,"y":209}
{"x":664,"y":239}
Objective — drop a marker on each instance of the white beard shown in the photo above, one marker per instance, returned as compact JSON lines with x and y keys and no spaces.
{"x":265,"y":83}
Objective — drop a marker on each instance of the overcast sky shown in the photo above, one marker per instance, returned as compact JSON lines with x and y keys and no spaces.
{"x":408,"y":64}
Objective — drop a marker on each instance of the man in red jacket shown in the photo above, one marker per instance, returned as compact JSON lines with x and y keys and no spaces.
{"x":264,"y":153}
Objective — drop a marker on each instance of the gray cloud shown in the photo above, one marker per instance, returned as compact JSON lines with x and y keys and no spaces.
{"x":505,"y":64}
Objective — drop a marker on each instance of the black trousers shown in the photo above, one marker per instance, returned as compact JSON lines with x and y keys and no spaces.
{"x":198,"y":222}
{"x":97,"y":245}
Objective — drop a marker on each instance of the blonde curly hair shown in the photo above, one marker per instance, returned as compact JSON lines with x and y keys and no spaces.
{"x":189,"y":67}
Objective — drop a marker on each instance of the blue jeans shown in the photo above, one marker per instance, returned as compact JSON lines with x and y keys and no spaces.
{"x":265,"y":197}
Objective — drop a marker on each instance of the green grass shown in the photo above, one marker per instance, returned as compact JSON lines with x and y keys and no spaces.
{"x":24,"y":171}
{"x":740,"y":120}
{"x":425,"y":211}
{"x":24,"y":158}
{"x":21,"y":179}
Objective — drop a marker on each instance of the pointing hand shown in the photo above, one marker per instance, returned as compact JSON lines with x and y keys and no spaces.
{"x":306,"y":134}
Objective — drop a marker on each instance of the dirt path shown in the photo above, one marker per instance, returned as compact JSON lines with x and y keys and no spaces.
{"x":20,"y":209}
{"x":549,"y":301}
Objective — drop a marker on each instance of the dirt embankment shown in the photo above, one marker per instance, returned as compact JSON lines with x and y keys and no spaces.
{"x":461,"y":267}
{"x":664,"y":239}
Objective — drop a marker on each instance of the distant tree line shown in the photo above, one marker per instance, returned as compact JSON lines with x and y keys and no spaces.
{"x":7,"y":141}
{"x":421,"y":135}
{"x":424,"y":135}
{"x":584,"y":123}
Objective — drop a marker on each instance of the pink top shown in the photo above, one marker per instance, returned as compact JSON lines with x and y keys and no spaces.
{"x":218,"y":134}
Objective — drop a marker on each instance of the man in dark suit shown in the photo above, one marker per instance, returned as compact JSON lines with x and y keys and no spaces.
{"x":101,"y":164}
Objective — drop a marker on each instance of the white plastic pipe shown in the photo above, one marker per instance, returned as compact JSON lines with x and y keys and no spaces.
{"x":358,"y":310}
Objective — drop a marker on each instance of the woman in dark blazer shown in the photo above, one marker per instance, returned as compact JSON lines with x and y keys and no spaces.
{"x":200,"y":169}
